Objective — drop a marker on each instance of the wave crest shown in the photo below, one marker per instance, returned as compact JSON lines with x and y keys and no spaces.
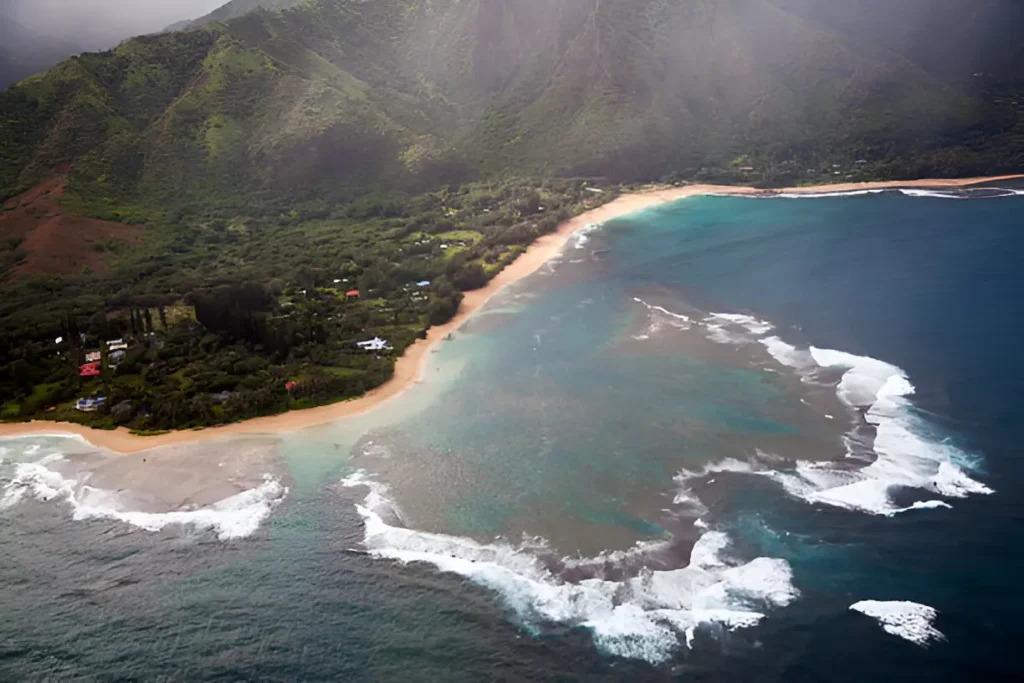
{"x":909,"y":620}
{"x":235,"y":517}
{"x":642,"y":617}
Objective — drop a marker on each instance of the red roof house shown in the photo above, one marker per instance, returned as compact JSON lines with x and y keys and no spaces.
{"x":90,"y":370}
{"x":352,"y":294}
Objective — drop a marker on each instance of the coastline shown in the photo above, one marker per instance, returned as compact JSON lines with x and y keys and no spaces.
{"x":410,"y":367}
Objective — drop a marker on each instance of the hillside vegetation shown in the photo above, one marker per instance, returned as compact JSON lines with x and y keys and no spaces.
{"x":338,"y":94}
{"x":228,"y":184}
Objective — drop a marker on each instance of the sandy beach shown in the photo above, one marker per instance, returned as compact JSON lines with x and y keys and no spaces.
{"x":410,"y":367}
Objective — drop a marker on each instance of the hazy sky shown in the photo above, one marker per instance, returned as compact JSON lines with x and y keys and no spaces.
{"x":88,"y":22}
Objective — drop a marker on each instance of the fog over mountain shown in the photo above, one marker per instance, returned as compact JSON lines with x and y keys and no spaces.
{"x":100,"y":23}
{"x":36,"y":34}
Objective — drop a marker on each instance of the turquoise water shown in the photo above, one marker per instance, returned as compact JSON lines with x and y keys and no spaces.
{"x":603,"y":477}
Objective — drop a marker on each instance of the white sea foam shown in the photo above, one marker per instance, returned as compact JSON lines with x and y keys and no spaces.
{"x":643,"y":617}
{"x":662,"y":310}
{"x":959,"y":193}
{"x":234,"y":517}
{"x":936,"y":194}
{"x":909,"y":620}
{"x":921,"y":505}
{"x":822,"y":195}
{"x":906,"y":457}
{"x":582,"y":235}
{"x":789,"y":355}
{"x":748,"y":322}
{"x":659,"y":318}
{"x":616,"y":557}
{"x":684,"y":493}
{"x":964,"y":193}
{"x":734,"y":328}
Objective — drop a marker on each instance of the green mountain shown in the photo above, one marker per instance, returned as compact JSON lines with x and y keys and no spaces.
{"x":336,"y":94}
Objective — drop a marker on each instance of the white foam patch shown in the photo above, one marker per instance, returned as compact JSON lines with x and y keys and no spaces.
{"x":235,"y":517}
{"x":659,"y":318}
{"x":643,"y":617}
{"x":906,"y":457}
{"x":582,"y":236}
{"x":685,"y":495}
{"x":935,"y":194}
{"x":823,"y":195}
{"x":734,"y":328}
{"x":615,"y":557}
{"x":789,"y":355}
{"x":909,"y":620}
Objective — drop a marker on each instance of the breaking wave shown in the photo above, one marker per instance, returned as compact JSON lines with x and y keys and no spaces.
{"x":644,"y":617}
{"x":659,"y":318}
{"x":909,"y":620}
{"x":906,"y":457}
{"x":582,"y":235}
{"x":724,"y":328}
{"x":235,"y":517}
{"x":734,"y":328}
{"x":955,"y":193}
{"x":685,"y":494}
{"x":904,"y":454}
{"x":965,"y":193}
{"x":822,"y":195}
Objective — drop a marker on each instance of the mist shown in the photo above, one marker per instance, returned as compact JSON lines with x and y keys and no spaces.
{"x":95,"y":24}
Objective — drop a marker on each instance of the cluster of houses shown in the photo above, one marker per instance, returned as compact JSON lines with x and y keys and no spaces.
{"x":116,"y":349}
{"x":93,"y":367}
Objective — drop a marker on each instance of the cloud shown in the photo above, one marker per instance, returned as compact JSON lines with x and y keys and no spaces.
{"x":102,"y":23}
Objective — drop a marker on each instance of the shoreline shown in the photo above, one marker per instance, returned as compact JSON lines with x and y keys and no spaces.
{"x":411,"y":366}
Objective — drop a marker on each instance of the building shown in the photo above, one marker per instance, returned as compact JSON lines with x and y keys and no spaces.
{"x":375,"y":344}
{"x":423,"y":283}
{"x":90,"y":370}
{"x":90,"y":405}
{"x":93,"y":356}
{"x":352,"y":294}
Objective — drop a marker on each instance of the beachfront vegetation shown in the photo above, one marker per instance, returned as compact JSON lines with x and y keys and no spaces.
{"x":212,"y":195}
{"x":231,"y":316}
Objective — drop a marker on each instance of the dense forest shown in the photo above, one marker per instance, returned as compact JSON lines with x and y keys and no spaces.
{"x":192,"y":213}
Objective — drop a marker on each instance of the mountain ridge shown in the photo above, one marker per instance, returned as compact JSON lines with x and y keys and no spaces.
{"x":405,"y":92}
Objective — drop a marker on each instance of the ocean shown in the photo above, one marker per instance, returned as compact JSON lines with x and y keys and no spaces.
{"x":723,"y":439}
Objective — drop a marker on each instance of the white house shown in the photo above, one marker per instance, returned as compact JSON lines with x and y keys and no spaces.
{"x":375,"y":344}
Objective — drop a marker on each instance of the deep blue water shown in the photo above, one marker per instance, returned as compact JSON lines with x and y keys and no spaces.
{"x":934,"y":286}
{"x":565,"y":412}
